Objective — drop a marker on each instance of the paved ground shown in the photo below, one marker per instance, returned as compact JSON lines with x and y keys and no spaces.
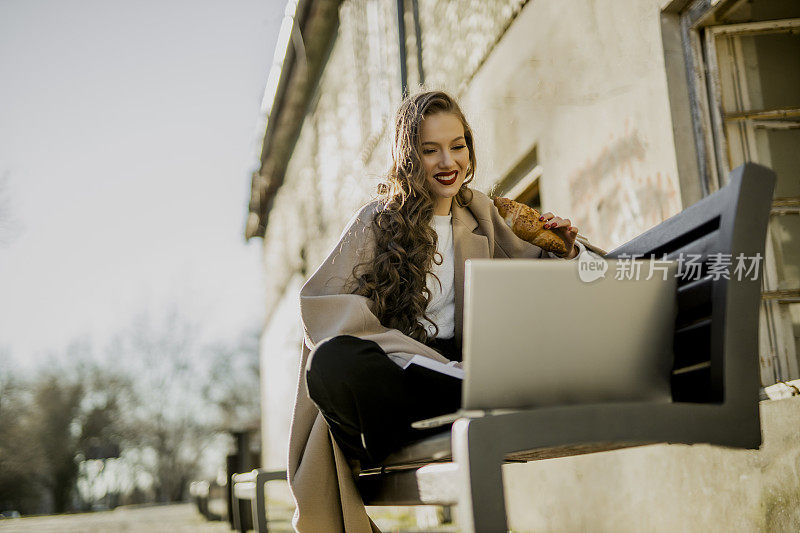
{"x":184,"y":518}
{"x":179,"y":518}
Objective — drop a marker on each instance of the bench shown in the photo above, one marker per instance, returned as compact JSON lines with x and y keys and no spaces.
{"x":714,"y":382}
{"x":249,"y":493}
{"x":210,"y":498}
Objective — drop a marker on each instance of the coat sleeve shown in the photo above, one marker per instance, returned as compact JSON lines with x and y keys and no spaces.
{"x":328,"y":308}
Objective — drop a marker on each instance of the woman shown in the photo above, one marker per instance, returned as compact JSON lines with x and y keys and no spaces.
{"x":390,"y":289}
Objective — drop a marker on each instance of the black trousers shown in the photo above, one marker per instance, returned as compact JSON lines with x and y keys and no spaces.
{"x":369,"y":402}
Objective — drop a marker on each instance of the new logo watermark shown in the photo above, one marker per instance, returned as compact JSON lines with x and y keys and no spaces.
{"x":591,"y":267}
{"x":690,"y":267}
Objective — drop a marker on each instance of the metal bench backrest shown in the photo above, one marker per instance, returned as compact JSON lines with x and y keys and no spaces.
{"x":710,"y":362}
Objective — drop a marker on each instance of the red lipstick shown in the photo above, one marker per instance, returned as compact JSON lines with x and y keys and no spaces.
{"x":442,"y":177}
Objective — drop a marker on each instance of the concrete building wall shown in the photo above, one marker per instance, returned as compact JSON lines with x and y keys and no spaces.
{"x":280,"y":353}
{"x":458,"y":36}
{"x":667,"y":488}
{"x":584,"y":82}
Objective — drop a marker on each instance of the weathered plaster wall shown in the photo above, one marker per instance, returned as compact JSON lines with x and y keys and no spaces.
{"x":326,"y":179}
{"x":280,"y":355}
{"x":584,"y":82}
{"x":457,"y":36}
{"x":667,"y":488}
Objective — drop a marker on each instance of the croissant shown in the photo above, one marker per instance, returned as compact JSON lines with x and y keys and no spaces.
{"x":524,"y":222}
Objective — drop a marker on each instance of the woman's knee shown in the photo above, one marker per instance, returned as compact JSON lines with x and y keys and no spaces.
{"x":332,"y":357}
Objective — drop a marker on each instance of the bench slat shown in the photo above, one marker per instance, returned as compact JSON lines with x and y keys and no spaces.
{"x":692,"y":344}
{"x":433,"y":448}
{"x":435,"y":484}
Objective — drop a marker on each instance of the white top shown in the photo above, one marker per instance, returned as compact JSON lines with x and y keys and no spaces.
{"x":442,"y":307}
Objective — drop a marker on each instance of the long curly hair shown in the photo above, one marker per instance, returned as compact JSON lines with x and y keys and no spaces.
{"x":405,"y":243}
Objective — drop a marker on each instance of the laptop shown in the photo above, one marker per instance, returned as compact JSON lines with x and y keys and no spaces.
{"x":541,"y":333}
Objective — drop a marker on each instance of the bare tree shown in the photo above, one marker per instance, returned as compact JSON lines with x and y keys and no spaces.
{"x":170,"y":418}
{"x":50,"y":423}
{"x":158,"y":400}
{"x":233,"y":387}
{"x":20,"y":458}
{"x":56,"y":403}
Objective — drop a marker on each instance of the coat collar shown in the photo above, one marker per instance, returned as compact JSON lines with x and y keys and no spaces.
{"x":463,"y":216}
{"x":470,"y":242}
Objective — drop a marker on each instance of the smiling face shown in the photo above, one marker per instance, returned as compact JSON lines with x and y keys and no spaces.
{"x":444,"y":156}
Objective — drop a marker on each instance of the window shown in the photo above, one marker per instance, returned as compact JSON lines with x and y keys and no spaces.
{"x":748,"y":100}
{"x":522,"y":182}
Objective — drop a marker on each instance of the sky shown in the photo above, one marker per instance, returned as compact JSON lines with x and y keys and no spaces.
{"x":128,"y":133}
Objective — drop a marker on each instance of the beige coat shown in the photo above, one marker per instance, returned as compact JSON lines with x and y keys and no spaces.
{"x":319,"y":475}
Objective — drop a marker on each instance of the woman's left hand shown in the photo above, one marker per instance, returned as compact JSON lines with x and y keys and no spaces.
{"x":564,"y":229}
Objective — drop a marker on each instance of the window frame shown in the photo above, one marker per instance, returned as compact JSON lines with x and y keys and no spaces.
{"x":522,"y":182}
{"x":701,"y":27}
{"x":746,"y":118}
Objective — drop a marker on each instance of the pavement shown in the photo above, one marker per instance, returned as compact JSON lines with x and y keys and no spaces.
{"x":177,"y":518}
{"x":184,"y":518}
